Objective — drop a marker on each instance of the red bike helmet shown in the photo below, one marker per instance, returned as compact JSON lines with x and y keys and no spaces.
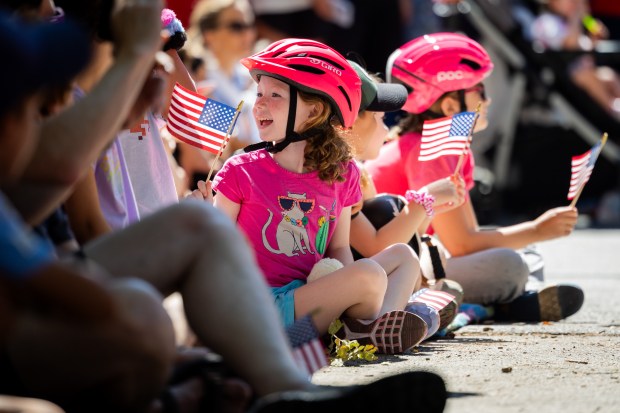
{"x":434,"y":64}
{"x":312,"y":67}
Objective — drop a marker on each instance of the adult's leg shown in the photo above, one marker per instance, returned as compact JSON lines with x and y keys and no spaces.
{"x":196,"y":250}
{"x":492,"y":276}
{"x":116,"y":366}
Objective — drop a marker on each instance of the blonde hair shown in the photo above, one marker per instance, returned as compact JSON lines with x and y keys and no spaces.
{"x":205,"y":16}
{"x":326,"y":151}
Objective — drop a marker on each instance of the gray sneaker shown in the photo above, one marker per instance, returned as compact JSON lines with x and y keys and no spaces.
{"x":393,"y":333}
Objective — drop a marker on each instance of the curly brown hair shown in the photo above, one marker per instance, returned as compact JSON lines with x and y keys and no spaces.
{"x":326,"y":151}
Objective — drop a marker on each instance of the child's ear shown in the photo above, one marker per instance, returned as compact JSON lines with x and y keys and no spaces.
{"x":316,"y":110}
{"x":450,"y":106}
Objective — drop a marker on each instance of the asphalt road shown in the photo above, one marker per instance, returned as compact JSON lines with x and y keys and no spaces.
{"x":571,"y":366}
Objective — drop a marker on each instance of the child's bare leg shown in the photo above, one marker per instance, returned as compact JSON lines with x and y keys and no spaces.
{"x":403,"y":269}
{"x":358,"y":290}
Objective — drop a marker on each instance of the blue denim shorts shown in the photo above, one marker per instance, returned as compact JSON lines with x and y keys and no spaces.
{"x":284,"y":298}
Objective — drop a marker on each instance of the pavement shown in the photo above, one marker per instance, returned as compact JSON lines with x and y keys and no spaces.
{"x":571,"y":366}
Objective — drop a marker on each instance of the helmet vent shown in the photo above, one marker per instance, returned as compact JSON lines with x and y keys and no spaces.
{"x":305,"y":68}
{"x":471,"y":63}
{"x":346,"y":96}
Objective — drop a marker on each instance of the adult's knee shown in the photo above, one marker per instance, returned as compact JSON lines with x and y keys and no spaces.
{"x":123,"y":362}
{"x":148,"y":363}
{"x":195,"y":216}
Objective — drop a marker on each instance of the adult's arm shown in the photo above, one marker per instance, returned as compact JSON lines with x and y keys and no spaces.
{"x":71,"y":141}
{"x":84,"y":210}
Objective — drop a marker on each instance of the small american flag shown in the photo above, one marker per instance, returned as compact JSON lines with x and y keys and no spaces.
{"x":581,"y":169}
{"x":198,"y":121}
{"x":446,"y":136}
{"x":433,"y":298}
{"x":308,"y":349}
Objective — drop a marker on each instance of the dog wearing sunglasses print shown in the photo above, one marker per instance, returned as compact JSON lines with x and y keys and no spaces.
{"x":291,"y":234}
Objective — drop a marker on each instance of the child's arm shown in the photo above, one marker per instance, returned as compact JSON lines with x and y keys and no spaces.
{"x":339,"y":247}
{"x":368,"y":241}
{"x":230,"y":208}
{"x":459,"y":232}
{"x":84,"y":211}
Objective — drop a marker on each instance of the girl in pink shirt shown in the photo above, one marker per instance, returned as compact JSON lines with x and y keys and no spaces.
{"x":444,"y":74}
{"x":292,"y":196}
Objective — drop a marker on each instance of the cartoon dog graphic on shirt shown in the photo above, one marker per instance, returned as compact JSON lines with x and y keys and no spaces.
{"x":291,"y":234}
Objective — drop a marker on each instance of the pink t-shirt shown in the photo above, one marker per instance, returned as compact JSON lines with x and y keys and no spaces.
{"x":289,"y":218}
{"x":397,"y":168}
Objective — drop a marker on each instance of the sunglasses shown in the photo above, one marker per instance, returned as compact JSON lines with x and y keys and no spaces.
{"x":479,"y":88}
{"x":236,"y":27}
{"x":287,"y":203}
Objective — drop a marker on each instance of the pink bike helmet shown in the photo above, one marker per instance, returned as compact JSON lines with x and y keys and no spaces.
{"x":312,"y":67}
{"x":434,"y":64}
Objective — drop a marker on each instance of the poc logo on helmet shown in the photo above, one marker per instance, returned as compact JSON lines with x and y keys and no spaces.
{"x":326,"y":66}
{"x":450,"y":75}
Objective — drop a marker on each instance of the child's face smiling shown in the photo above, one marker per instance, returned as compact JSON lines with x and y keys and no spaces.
{"x":271,"y":109}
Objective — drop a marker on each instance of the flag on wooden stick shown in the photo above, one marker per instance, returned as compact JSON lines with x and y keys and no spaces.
{"x":446,"y":136}
{"x":581,"y":169}
{"x":308,"y":349}
{"x":198,"y":121}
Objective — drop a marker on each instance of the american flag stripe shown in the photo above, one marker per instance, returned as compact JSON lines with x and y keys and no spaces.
{"x":445,"y":136}
{"x":191,"y":131}
{"x":581,"y":170}
{"x":183,"y":118}
{"x":435,"y":299}
{"x":308,"y":349}
{"x":310,"y":356}
{"x":184,"y":123}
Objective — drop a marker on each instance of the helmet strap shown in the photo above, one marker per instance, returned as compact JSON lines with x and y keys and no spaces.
{"x":431,"y":115}
{"x":461,"y":94}
{"x":291,"y":136}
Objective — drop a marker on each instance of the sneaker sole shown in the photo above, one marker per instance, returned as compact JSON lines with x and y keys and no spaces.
{"x":560,"y":301}
{"x":392,"y":333}
{"x":413,"y":391}
{"x":552,"y":303}
{"x":447,"y":314}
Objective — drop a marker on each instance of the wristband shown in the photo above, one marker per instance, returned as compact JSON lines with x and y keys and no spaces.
{"x":421,"y":198}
